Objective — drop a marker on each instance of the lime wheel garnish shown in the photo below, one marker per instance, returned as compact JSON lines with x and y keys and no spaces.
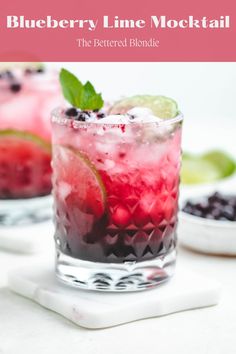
{"x":161,"y":106}
{"x":76,"y":173}
{"x":25,"y":169}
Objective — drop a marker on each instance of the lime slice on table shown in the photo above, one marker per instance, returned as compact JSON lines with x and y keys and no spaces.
{"x":223,"y":161}
{"x":25,"y":164}
{"x":86,"y":189}
{"x":206,"y":168}
{"x":161,"y":106}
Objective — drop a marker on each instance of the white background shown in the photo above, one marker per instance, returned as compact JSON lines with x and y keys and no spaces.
{"x":205,"y":92}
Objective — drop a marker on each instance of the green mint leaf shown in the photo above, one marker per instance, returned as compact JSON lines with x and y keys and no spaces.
{"x":90,"y":100}
{"x":71,"y":87}
{"x":79,"y":95}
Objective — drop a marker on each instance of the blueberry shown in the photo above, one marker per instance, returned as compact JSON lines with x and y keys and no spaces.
{"x":82,"y":116}
{"x":203,"y":206}
{"x":40,"y":70}
{"x":101,"y":115}
{"x":217,"y":206}
{"x":71,"y":112}
{"x":15,"y":87}
{"x":131,"y":117}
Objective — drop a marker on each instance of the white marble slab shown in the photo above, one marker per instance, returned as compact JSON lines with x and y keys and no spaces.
{"x":27,"y":239}
{"x":186,"y":290}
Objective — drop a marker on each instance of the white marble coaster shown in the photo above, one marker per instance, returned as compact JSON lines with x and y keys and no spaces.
{"x":30,"y":238}
{"x":185,"y":291}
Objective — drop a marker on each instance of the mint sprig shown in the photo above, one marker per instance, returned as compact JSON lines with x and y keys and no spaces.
{"x":80,"y":96}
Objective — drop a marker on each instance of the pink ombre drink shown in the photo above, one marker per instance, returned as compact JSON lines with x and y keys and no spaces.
{"x":116,"y":183}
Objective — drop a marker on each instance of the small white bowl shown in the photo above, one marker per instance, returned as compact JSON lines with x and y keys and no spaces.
{"x":207,"y":235}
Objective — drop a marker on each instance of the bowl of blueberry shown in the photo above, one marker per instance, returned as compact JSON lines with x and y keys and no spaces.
{"x":207,"y":223}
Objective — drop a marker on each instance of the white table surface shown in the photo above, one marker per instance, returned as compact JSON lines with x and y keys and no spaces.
{"x":25,"y":327}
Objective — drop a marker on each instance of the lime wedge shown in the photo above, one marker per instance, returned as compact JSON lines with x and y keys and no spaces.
{"x":161,"y":106}
{"x":223,"y":161}
{"x":17,"y":135}
{"x":87,"y":191}
{"x":206,"y":168}
{"x":196,"y":170}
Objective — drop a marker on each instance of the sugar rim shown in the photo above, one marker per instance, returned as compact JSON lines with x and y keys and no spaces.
{"x":58,"y":117}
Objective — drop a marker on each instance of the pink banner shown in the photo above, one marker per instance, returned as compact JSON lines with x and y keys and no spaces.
{"x":177,"y":30}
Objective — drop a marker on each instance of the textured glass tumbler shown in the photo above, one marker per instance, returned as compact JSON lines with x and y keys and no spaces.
{"x":115,"y":190}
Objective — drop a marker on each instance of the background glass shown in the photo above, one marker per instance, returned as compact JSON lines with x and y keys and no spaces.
{"x":26,"y":97}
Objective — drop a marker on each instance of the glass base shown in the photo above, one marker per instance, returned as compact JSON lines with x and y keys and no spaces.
{"x":17,"y":212}
{"x":128,"y":276}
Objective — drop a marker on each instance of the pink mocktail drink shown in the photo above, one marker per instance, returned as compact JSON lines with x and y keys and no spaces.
{"x":116,"y":198}
{"x":27,"y":95}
